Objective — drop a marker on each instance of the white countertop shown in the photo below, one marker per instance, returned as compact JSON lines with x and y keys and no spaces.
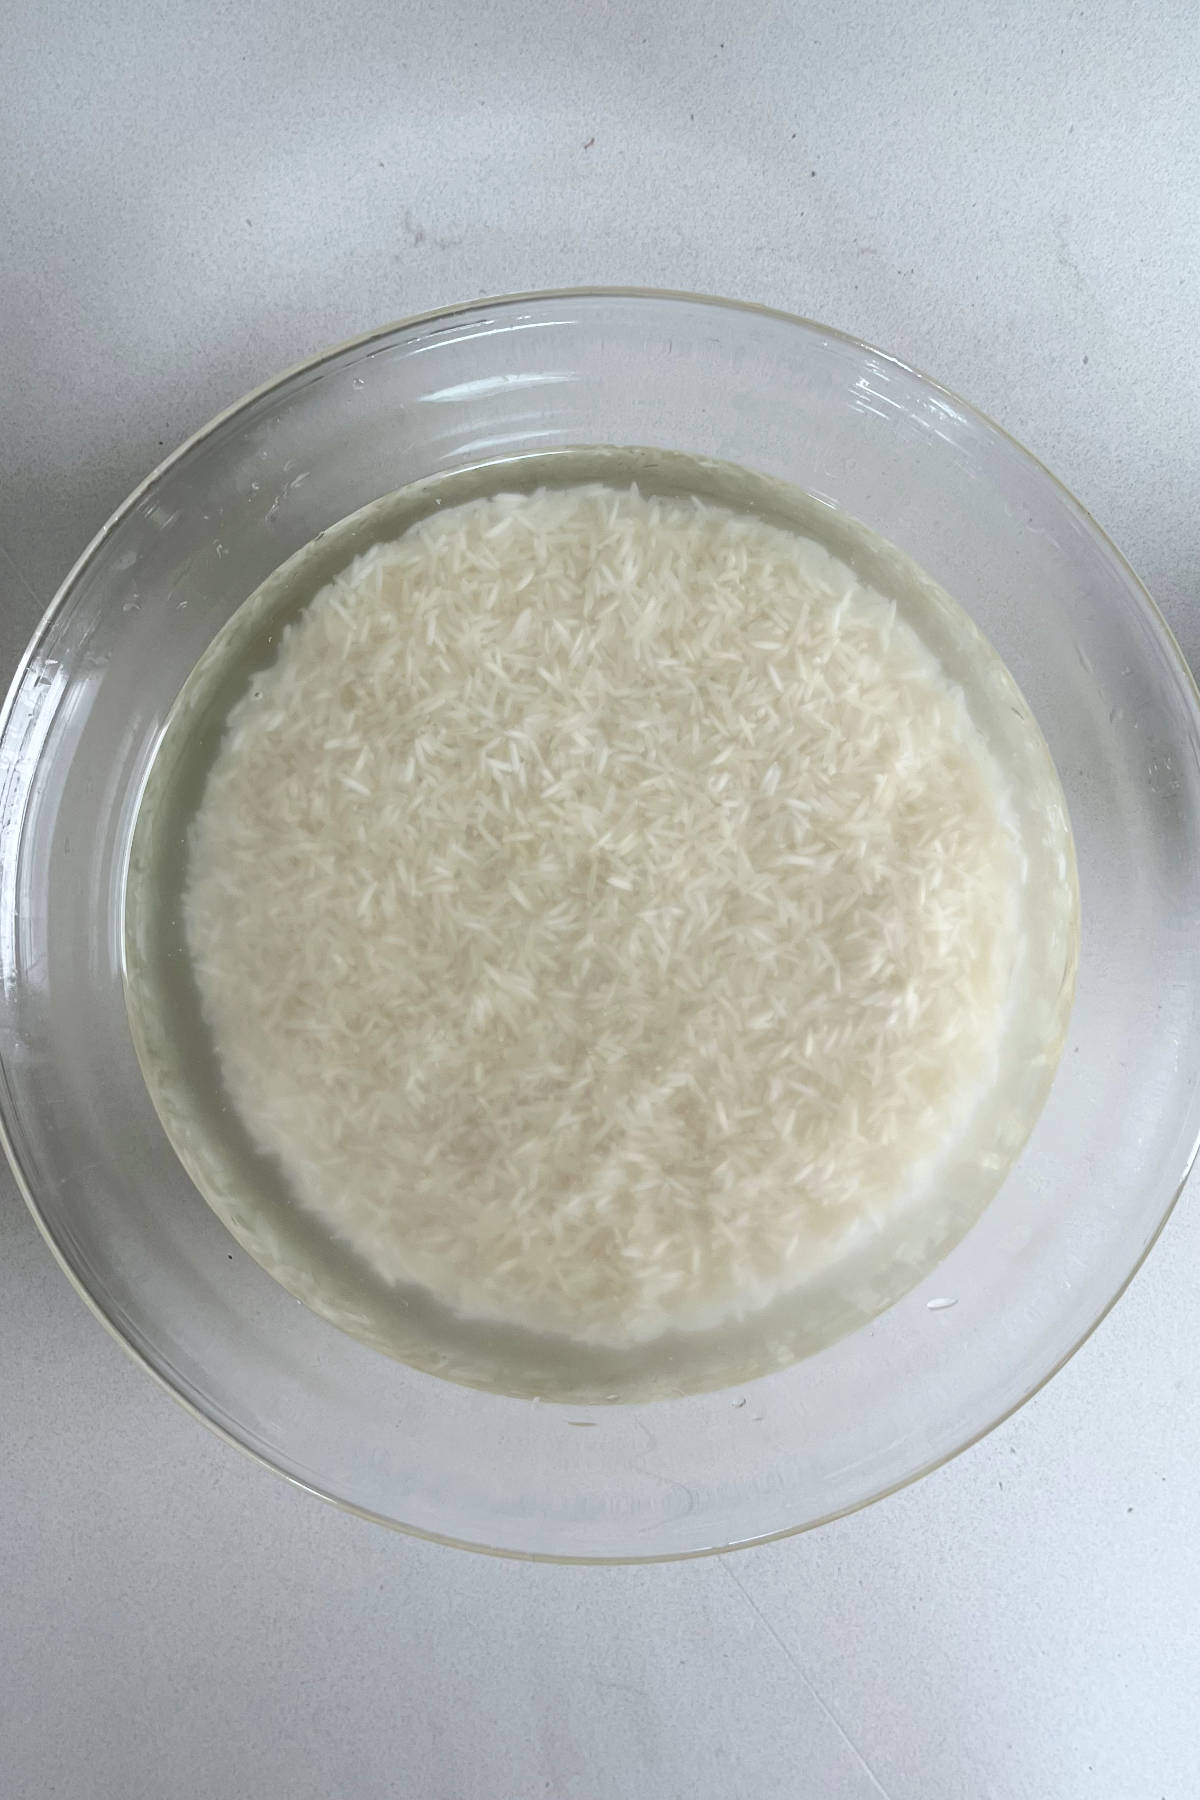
{"x":194,"y":197}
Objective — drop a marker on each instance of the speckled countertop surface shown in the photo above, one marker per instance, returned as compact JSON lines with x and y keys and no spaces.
{"x":196,"y":197}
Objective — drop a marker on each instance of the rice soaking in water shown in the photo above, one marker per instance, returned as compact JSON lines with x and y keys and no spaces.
{"x":599,"y":925}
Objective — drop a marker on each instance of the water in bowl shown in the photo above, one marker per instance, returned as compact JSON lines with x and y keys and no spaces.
{"x":250,"y":1189}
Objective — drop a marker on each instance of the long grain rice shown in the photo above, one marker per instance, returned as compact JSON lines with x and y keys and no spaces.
{"x":605,"y":909}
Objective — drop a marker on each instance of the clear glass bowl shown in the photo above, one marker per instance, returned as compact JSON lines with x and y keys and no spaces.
{"x":1074,"y":1217}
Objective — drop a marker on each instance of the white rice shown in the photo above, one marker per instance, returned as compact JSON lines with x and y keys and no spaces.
{"x":605,"y":909}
